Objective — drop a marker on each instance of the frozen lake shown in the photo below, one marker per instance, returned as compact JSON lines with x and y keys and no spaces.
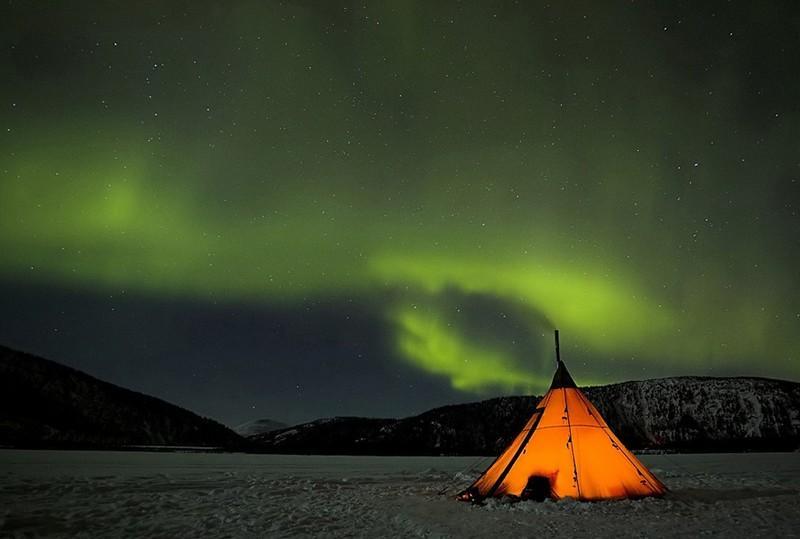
{"x":137,"y":494}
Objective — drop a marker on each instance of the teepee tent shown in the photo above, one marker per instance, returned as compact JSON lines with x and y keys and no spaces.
{"x":565,"y":450}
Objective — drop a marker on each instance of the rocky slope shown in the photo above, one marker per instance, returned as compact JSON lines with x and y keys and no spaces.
{"x":686,"y":413}
{"x":703,"y":413}
{"x":45,"y":404}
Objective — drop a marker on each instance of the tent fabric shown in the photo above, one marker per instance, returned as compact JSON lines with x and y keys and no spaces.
{"x":565,"y":450}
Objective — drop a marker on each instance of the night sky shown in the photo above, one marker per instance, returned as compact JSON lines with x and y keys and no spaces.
{"x":302,"y":209}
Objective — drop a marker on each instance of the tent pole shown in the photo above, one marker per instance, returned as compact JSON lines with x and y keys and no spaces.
{"x":558,"y":352}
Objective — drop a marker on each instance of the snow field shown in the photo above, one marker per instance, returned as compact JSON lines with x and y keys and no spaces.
{"x":124,"y":494}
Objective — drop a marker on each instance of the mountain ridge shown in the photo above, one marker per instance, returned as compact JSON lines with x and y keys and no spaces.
{"x":47,"y":404}
{"x":683,"y":413}
{"x":44,"y":403}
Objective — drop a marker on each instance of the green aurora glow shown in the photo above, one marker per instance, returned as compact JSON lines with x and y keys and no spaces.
{"x":641,"y":203}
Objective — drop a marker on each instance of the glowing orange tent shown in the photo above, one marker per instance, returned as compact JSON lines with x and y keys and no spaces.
{"x":565,"y":450}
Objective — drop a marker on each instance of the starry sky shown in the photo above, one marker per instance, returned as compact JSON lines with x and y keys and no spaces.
{"x":303,"y":209}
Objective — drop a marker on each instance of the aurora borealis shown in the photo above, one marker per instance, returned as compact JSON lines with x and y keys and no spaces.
{"x":300,"y":209}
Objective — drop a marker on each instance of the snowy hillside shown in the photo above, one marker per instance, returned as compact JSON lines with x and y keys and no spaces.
{"x":703,"y":413}
{"x":686,"y":413}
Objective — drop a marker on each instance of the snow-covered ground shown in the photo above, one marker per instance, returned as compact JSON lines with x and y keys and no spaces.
{"x":136,"y":494}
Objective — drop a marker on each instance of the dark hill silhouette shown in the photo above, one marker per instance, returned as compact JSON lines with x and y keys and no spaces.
{"x":46,"y":404}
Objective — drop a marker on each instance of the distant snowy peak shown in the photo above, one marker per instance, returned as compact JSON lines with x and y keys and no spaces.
{"x":258,"y":426}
